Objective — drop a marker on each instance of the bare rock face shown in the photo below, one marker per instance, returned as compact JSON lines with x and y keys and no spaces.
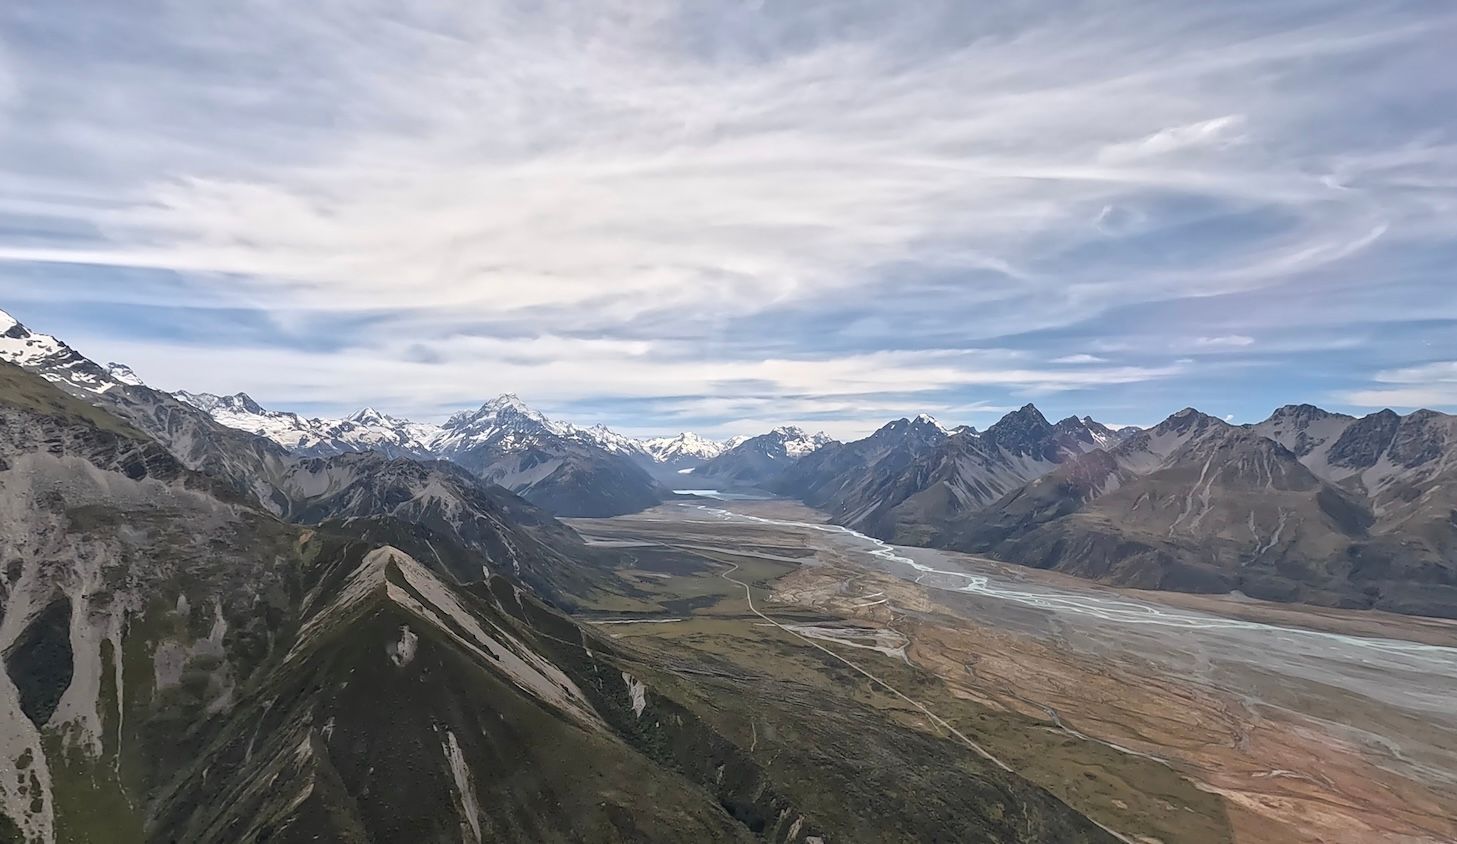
{"x":913,"y":482}
{"x":1307,"y":506}
{"x":837,"y":476}
{"x":1364,"y":440}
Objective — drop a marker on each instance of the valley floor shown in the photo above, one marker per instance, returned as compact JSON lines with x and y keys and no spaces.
{"x":1164,"y":717}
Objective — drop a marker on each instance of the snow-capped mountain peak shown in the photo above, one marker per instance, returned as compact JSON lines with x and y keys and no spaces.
{"x":797,"y":442}
{"x":201,"y":401}
{"x":684,"y":445}
{"x":609,"y":439}
{"x":237,"y":403}
{"x":505,"y":421}
{"x":51,"y":359}
{"x":368,"y":416}
{"x":758,"y":460}
{"x":242,"y":403}
{"x":512,"y":403}
{"x":124,"y":374}
{"x":506,"y":409}
{"x":921,"y":429}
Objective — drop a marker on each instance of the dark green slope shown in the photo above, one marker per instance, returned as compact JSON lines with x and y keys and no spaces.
{"x":353,"y":737}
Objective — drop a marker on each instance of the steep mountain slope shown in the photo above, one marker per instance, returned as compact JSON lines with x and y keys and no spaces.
{"x":1405,"y":469}
{"x":920,"y":501}
{"x":180,"y":666}
{"x":1384,"y":456}
{"x":1304,"y":429}
{"x":247,"y":463}
{"x":94,"y":519}
{"x":469,"y":528}
{"x":759,"y":461}
{"x":1195,"y":504}
{"x":1088,"y":476}
{"x":570,"y":471}
{"x":609,"y":440}
{"x":554,"y":466}
{"x":408,"y":710}
{"x":836,"y":476}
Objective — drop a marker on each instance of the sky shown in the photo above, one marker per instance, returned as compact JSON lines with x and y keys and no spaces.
{"x":725,"y":216}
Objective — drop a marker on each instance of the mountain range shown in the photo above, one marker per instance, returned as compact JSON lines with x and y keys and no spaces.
{"x":910,"y":477}
{"x":206,"y":638}
{"x":1308,"y":505}
{"x":569,"y":470}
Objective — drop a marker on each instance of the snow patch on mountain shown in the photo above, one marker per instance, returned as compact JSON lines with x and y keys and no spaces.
{"x":365,"y":430}
{"x":123,"y":373}
{"x":51,"y":359}
{"x":240,"y":411}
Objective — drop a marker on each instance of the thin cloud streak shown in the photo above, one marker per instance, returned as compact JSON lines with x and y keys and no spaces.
{"x":1428,"y":385}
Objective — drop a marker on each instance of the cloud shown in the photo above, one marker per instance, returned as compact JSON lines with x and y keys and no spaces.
{"x":1215,"y":132}
{"x":1225,"y":341}
{"x":613,"y":169}
{"x":1427,"y":385}
{"x":425,"y":377}
{"x":644,"y":200}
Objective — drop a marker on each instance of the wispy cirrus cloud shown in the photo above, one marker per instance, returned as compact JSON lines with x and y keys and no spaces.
{"x":1225,"y":341}
{"x":706,"y":196}
{"x":1428,"y":385}
{"x":1215,"y":132}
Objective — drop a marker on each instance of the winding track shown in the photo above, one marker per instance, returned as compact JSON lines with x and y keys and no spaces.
{"x":936,"y":719}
